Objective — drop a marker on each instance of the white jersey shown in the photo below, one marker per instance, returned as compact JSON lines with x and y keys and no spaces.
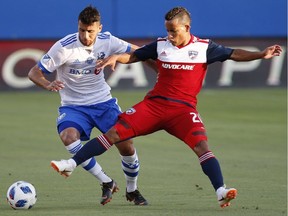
{"x":75,"y":66}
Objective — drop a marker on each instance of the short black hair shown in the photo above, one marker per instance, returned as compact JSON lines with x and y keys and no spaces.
{"x":89,"y":15}
{"x":177,"y":12}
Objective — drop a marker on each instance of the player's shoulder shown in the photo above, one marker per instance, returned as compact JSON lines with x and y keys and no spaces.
{"x":104,"y":35}
{"x":199,"y":40}
{"x":162,"y":39}
{"x":68,"y":40}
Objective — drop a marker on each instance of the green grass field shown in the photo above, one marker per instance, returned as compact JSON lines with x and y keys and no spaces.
{"x":247,"y":131}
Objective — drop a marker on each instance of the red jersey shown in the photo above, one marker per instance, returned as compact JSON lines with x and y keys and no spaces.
{"x":181,"y":70}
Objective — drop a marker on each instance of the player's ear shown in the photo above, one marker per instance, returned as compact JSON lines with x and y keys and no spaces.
{"x":187,"y":28}
{"x":100,"y":27}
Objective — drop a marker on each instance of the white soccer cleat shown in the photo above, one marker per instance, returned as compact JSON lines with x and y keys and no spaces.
{"x":225,"y":195}
{"x":64,"y":167}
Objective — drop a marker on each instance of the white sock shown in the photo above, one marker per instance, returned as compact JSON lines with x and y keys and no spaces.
{"x":130,"y":166}
{"x":89,"y":165}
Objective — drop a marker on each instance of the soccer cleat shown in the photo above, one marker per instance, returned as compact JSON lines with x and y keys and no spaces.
{"x":225,"y":195}
{"x":136,"y":197}
{"x":107,"y":190}
{"x":64,"y":167}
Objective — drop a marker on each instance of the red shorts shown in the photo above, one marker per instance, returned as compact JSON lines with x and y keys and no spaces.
{"x":151,"y":115}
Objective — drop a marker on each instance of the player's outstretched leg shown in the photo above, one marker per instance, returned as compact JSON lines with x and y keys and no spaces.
{"x":211,"y":168}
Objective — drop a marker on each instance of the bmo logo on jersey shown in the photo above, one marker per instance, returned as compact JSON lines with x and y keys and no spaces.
{"x":80,"y":72}
{"x":177,"y":66}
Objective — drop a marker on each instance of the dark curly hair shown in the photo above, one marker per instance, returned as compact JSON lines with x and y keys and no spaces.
{"x":178,"y":12}
{"x":89,"y":15}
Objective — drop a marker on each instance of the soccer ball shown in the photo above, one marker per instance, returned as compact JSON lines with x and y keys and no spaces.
{"x":21,"y":195}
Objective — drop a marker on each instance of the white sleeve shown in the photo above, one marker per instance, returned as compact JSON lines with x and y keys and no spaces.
{"x":53,"y":59}
{"x":119,"y":45}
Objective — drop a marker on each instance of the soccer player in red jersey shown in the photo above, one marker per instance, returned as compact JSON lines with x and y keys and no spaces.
{"x":182,"y":61}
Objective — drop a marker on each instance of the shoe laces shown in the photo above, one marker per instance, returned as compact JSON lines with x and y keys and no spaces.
{"x":138,"y":195}
{"x":107,"y":185}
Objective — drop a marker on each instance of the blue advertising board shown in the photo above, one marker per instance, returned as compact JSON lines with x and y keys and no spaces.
{"x":33,"y":19}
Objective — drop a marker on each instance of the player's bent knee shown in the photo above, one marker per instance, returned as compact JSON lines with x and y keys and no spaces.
{"x":112,"y":135}
{"x":201,"y":147}
{"x":69,"y":135}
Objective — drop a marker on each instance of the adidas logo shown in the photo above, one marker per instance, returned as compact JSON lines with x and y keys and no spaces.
{"x":76,"y":61}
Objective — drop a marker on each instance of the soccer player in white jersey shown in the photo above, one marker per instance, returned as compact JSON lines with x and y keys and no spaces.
{"x":86,"y":101}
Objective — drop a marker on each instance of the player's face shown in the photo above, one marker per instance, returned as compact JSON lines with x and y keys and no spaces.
{"x":88,"y":33}
{"x":178,"y":33}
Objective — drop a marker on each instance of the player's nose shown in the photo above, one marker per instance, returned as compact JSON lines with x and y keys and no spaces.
{"x":86,"y":35}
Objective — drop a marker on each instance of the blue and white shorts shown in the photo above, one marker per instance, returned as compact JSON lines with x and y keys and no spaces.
{"x":84,"y":118}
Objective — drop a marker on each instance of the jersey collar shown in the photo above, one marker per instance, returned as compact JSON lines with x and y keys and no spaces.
{"x":192,"y":40}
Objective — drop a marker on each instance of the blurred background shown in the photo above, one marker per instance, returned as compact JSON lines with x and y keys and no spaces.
{"x":30,"y":27}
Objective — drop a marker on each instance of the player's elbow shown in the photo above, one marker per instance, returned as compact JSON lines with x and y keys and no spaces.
{"x":32,"y":74}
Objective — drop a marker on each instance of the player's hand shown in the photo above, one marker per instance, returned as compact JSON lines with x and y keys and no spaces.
{"x":111,"y":60}
{"x":55,"y":86}
{"x":271,"y":51}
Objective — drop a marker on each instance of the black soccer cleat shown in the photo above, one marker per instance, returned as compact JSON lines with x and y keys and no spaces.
{"x":107,"y":190}
{"x":136,"y":197}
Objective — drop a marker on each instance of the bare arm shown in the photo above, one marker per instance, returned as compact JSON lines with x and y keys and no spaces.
{"x":244,"y":55}
{"x":37,"y":76}
{"x":125,"y":58}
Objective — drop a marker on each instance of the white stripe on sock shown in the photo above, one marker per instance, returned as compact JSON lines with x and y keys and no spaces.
{"x":206,"y":156}
{"x":104,"y":141}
